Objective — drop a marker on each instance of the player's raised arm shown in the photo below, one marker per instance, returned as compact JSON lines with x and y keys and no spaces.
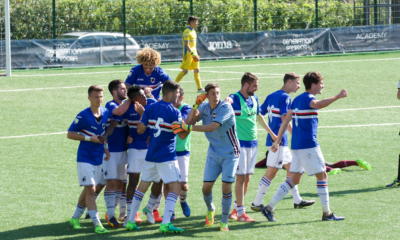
{"x":327,"y":101}
{"x":282,"y":130}
{"x":121,"y":109}
{"x":78,"y":137}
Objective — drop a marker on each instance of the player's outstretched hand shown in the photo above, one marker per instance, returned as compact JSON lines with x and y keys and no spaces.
{"x":274,"y":147}
{"x":147,"y":90}
{"x":96,"y":139}
{"x":181,"y":127}
{"x":342,"y":93}
{"x":129,"y":140}
{"x":199,"y":100}
{"x":108,"y":155}
{"x":139,"y":108}
{"x":229,"y":100}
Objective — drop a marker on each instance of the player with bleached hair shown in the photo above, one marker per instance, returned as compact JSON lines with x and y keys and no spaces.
{"x":147,"y":74}
{"x":307,"y":155}
{"x":86,"y":128}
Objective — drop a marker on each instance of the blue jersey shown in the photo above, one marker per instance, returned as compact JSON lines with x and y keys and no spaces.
{"x":85,"y":124}
{"x":305,"y":122}
{"x":155,"y":80}
{"x":275,"y":106}
{"x":139,"y":140}
{"x":117,"y":140}
{"x":223,"y":141}
{"x":159,"y":117}
{"x":185,"y":110}
{"x":238,"y":111}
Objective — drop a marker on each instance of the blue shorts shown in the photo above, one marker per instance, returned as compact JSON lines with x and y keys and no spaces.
{"x":216,"y":166}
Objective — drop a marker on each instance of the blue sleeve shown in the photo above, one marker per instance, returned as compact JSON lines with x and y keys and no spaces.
{"x":201,"y":109}
{"x":236,"y":102}
{"x":223,"y":114}
{"x":77,"y":124}
{"x":258,"y":109}
{"x":164,"y":76}
{"x":145,"y":117}
{"x":110,"y":109}
{"x":185,"y":111}
{"x":285,"y":104}
{"x":311,"y":98}
{"x":132,"y":77}
{"x":178,"y":116}
{"x":264,"y":106}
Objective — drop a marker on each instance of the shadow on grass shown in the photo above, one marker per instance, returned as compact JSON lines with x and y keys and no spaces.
{"x":351,"y":191}
{"x":194,"y":228}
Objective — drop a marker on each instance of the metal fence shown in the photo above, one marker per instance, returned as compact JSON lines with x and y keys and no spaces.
{"x":45,"y":19}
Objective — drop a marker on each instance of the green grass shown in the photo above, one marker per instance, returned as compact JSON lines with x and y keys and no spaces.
{"x":39,"y":180}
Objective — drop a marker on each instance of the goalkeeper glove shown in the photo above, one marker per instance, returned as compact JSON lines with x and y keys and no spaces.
{"x":195,"y":57}
{"x":199,"y":100}
{"x":181,"y":127}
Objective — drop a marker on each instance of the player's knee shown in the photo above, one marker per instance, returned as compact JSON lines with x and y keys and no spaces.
{"x":240,"y":179}
{"x":226,"y":187}
{"x":184,"y":187}
{"x":185,"y":71}
{"x":196,"y":70}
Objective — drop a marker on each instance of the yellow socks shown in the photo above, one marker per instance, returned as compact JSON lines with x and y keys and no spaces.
{"x":198,"y":80}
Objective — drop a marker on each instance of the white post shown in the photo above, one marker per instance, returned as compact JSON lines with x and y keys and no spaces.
{"x":8,"y":41}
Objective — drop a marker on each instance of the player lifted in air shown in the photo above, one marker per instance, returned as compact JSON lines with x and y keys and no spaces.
{"x":190,"y":58}
{"x":87,"y":126}
{"x":147,"y":74}
{"x":307,"y":155}
{"x":276,"y":107}
{"x":247,"y":113}
{"x":219,"y":126}
{"x":396,"y":182}
{"x":161,"y":161}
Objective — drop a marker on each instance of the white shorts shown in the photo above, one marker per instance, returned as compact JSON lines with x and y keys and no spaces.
{"x":86,"y":174}
{"x":183,"y":162}
{"x":136,"y":159}
{"x":247,"y":161}
{"x":279,"y":158}
{"x":167,"y":171}
{"x":309,"y":160}
{"x":99,"y":176}
{"x":115,"y":167}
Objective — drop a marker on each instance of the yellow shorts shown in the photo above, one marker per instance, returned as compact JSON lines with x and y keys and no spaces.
{"x":188,"y":63}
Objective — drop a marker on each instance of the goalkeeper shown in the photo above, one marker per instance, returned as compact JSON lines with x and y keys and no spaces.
{"x":223,"y":152}
{"x":190,"y":59}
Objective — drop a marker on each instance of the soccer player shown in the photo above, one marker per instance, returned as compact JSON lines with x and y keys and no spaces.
{"x":87,"y":126}
{"x":247,"y":113}
{"x":307,"y":155}
{"x":276,"y":106}
{"x":219,"y":126}
{"x":190,"y":58}
{"x":161,"y":161}
{"x":138,"y":147}
{"x":396,"y":182}
{"x":147,"y":74}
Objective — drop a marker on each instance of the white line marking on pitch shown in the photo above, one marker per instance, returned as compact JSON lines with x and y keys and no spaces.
{"x":355,"y":109}
{"x":62,"y":74}
{"x":344,"y":126}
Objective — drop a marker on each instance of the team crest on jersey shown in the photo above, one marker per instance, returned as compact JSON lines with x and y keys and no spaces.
{"x":152,"y":80}
{"x":76,"y":120}
{"x":104,"y":125}
{"x":214,"y":115}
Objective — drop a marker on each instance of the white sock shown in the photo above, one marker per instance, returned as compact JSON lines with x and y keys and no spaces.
{"x":283,"y":190}
{"x":109,"y":198}
{"x":170,"y":202}
{"x":122,"y":204}
{"x":240,"y":210}
{"x":79,"y":211}
{"x":296,"y":196}
{"x":235,"y":205}
{"x":158,"y":201}
{"x":262,"y":189}
{"x":128,"y":207}
{"x":151,"y":203}
{"x":117,"y":198}
{"x":95,"y":217}
{"x":182,"y":197}
{"x":323,"y":194}
{"x":136,"y":201}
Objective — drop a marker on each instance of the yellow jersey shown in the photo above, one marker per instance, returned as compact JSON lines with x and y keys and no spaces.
{"x":189,"y":35}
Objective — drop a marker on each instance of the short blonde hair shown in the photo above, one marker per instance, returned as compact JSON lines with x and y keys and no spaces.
{"x":95,"y":88}
{"x":148,"y":56}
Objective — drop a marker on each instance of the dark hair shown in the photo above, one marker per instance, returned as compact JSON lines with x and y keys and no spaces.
{"x":169,"y":86}
{"x":95,"y":88}
{"x":211,"y":86}
{"x":113,"y":85}
{"x":248,"y":78}
{"x":181,"y":91}
{"x":133,"y":91}
{"x":290,"y":76}
{"x":312,"y":77}
{"x":192,"y":18}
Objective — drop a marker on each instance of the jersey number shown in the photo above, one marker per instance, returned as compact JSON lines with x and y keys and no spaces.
{"x":269,"y":110}
{"x":296,"y":119}
{"x":157,"y":127}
